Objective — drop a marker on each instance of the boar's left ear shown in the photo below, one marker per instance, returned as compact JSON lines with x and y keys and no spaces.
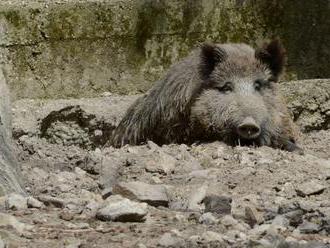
{"x":273,"y":55}
{"x":210,"y":56}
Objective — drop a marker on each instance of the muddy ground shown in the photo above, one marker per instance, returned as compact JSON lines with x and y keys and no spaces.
{"x":204,"y":195}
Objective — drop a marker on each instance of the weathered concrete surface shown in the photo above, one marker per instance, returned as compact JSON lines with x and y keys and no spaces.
{"x":95,"y":118}
{"x":71,"y":48}
{"x":10,"y":177}
{"x":309,"y":101}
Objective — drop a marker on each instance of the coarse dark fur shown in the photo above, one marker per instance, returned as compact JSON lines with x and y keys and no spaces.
{"x":207,"y":95}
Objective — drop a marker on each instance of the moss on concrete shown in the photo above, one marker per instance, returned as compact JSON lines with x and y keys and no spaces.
{"x":84,"y":48}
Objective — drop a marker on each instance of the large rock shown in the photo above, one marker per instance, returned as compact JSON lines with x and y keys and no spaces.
{"x":117,"y":208}
{"x":155,"y":195}
{"x":310,"y":188}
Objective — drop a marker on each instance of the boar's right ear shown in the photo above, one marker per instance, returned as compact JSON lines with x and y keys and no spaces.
{"x":210,"y":56}
{"x":273,"y":55}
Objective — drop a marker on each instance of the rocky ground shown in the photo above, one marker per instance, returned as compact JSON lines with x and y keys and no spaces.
{"x":83,"y":194}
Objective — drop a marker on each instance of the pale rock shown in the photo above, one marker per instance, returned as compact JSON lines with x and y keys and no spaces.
{"x":117,"y":208}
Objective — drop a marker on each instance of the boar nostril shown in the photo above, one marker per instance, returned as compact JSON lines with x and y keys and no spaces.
{"x":248,"y":129}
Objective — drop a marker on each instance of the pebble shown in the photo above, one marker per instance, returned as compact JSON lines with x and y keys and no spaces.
{"x":200,"y":174}
{"x":210,"y":236}
{"x":253,"y":216}
{"x":217,"y":204}
{"x":171,"y":239}
{"x":196,"y":197}
{"x":162,"y":164}
{"x":80,"y":172}
{"x":140,"y":245}
{"x":117,"y":208}
{"x":281,"y":221}
{"x":259,"y":231}
{"x":91,"y":208}
{"x":228,"y":221}
{"x":154,"y":195}
{"x":16,"y":202}
{"x":208,"y":219}
{"x":309,"y":227}
{"x":310,"y":188}
{"x":295,"y":217}
{"x":106,"y":192}
{"x":66,"y":215}
{"x":52,"y":201}
{"x":34,"y":203}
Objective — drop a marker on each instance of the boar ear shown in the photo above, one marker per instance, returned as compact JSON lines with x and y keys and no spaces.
{"x":273,"y":55}
{"x":210,"y":56}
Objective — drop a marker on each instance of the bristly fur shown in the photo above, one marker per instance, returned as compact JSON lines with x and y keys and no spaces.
{"x":191,"y":102}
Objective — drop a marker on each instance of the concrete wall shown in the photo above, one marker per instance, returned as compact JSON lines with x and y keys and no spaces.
{"x":81,"y":48}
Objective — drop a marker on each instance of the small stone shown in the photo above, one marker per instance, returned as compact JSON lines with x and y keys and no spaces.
{"x":280,"y":220}
{"x":309,"y":206}
{"x":200,"y":174}
{"x":34,"y":203}
{"x":154,"y":195}
{"x":156,"y":180}
{"x":163,"y":164}
{"x":228,"y":221}
{"x":210,"y":236}
{"x":208,"y":219}
{"x":180,"y":218}
{"x":309,"y":227}
{"x":91,"y":208}
{"x":259,"y":231}
{"x":52,"y":201}
{"x":295,"y":217}
{"x":66,"y":215}
{"x":288,"y":190}
{"x":73,"y":244}
{"x":196,"y":197}
{"x":217,"y":204}
{"x":80,"y":172}
{"x":117,"y":208}
{"x":106,"y":192}
{"x":81,"y":225}
{"x":195,"y":241}
{"x":234,"y":235}
{"x":75,"y":208}
{"x":252,"y":216}
{"x":171,"y":239}
{"x":140,"y":245}
{"x":152,"y":146}
{"x":310,"y":188}
{"x":16,"y":202}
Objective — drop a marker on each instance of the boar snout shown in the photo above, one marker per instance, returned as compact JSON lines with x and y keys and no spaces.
{"x":248,"y":128}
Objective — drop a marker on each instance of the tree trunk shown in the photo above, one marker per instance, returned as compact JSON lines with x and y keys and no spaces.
{"x":10,"y":179}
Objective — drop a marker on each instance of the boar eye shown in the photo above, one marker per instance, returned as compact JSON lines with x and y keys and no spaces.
{"x":226,"y":88}
{"x":259,"y":84}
